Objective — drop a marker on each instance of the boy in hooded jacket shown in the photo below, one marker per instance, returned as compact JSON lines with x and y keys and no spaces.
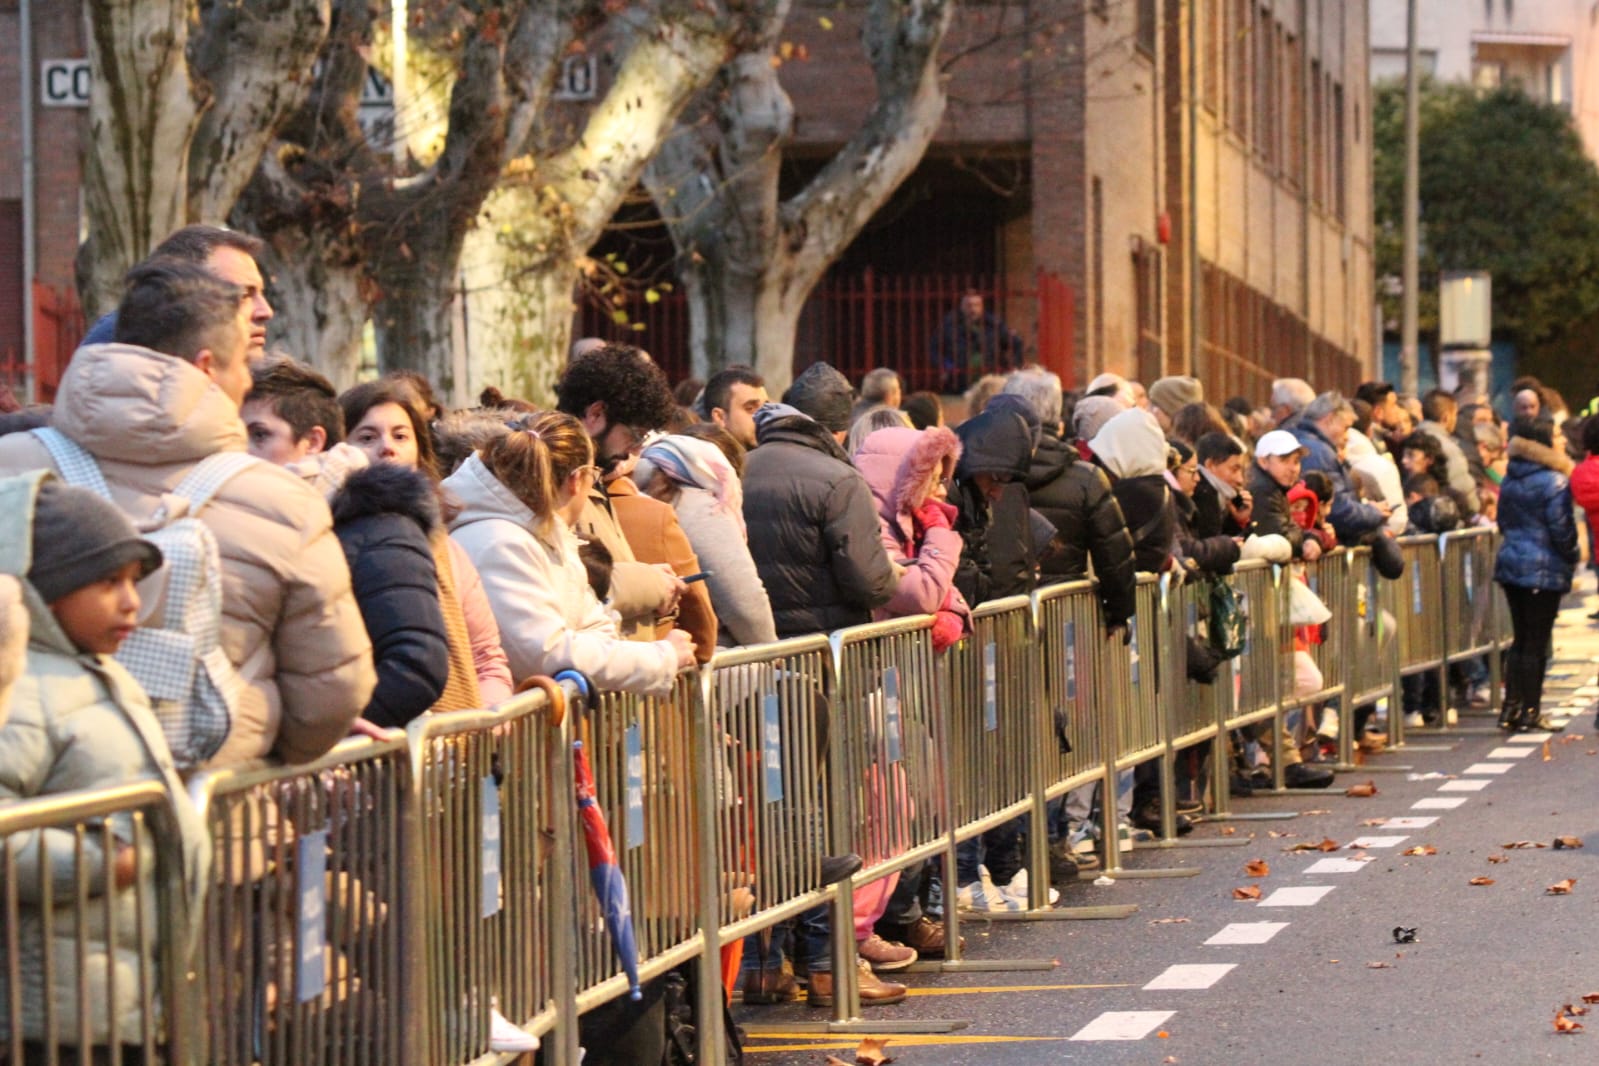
{"x":79,"y":720}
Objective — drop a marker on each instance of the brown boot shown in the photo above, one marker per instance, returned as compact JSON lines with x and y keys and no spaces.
{"x":926,"y":936}
{"x":875,"y":992}
{"x":768,"y":985}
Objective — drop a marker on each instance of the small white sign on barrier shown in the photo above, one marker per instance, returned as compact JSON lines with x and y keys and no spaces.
{"x":311,"y":869}
{"x":772,"y":747}
{"x":635,"y":788}
{"x":991,"y":687}
{"x":1071,"y":660}
{"x":891,"y":730}
{"x":491,"y":847}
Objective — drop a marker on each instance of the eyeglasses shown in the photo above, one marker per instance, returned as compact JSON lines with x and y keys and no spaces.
{"x":588,"y":468}
{"x":1189,"y":471}
{"x":636,"y":436}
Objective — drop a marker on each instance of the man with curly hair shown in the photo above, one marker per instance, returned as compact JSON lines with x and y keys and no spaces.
{"x":621,"y":397}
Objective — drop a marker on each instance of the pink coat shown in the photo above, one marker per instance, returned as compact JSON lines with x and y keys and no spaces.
{"x":899,"y":465}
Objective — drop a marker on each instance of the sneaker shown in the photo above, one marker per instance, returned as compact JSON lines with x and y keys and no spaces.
{"x":1127,"y":835}
{"x":1016,"y":892}
{"x":1414,"y":720}
{"x":1451,"y":716}
{"x":1328,"y":729}
{"x":885,"y":956}
{"x":983,"y":895}
{"x":1477,"y":695}
{"x":508,"y":1037}
{"x":1190,"y":807}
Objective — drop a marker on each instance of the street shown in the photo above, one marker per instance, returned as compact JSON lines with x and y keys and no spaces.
{"x":1312,"y":973}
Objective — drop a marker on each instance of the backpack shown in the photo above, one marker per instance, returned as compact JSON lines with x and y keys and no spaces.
{"x":176,"y":653}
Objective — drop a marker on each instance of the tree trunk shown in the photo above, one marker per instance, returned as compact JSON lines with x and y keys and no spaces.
{"x":518,"y":340}
{"x":321,"y":312}
{"x":143,"y":113}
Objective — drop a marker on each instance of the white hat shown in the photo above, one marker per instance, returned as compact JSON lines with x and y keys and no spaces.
{"x":1277,"y":442}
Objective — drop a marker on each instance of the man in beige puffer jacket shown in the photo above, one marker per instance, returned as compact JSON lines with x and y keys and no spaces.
{"x":152,"y":406}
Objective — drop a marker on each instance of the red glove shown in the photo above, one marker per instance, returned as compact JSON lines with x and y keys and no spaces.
{"x":935,"y":514}
{"x":948,"y":628}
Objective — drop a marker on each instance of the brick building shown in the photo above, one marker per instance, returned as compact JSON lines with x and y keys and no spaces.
{"x":57,"y":135}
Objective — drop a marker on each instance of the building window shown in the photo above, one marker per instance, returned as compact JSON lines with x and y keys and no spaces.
{"x":1318,"y":137}
{"x":1265,"y":117}
{"x":1238,"y":67}
{"x":1146,"y":292}
{"x":1339,"y":166}
{"x":1293,"y":154}
{"x":1210,"y":49}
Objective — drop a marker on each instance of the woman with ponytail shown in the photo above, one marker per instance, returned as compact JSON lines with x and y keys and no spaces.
{"x":519,"y":496}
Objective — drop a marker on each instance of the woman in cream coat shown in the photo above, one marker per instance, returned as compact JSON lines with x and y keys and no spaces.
{"x":518,"y":498}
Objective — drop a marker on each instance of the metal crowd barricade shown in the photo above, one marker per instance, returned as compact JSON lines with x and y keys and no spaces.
{"x":1421,"y":618}
{"x":1373,"y":658}
{"x":763,"y":749}
{"x":303,"y":952}
{"x":1466,"y":561}
{"x":1067,"y":635}
{"x":1253,"y":695}
{"x":890,"y":779}
{"x":492,"y":887}
{"x":58,"y":883}
{"x":641,"y":749}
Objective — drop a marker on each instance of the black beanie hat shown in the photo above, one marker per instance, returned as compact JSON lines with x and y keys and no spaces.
{"x":79,"y":538}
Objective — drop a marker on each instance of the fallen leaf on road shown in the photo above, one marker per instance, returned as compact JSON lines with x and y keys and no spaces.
{"x":1167,"y":921}
{"x":1374,"y":821}
{"x":1571,"y":738}
{"x":1228,"y":830}
{"x":1561,"y":888}
{"x":1547,"y":753}
{"x":871,"y":1053}
{"x":1567,"y":842}
{"x":1514,"y":844}
{"x":1362,"y":790}
{"x":1593,"y":751}
{"x":1325,"y":844}
{"x":1481,"y":881}
{"x":834,"y":1060}
{"x":1591,"y":997}
{"x":1257,"y":868}
{"x":1564,"y":1025}
{"x":1379,"y":965}
{"x":1420,"y":849}
{"x":1307,"y":814}
{"x":1569,"y":1009}
{"x":1248,"y":892}
{"x":1497,"y":858}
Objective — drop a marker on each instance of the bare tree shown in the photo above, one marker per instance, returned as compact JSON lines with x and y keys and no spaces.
{"x":186,"y":95}
{"x":747,"y":260}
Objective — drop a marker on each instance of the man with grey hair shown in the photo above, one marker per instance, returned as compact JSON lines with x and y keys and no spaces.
{"x":1289,"y":396}
{"x":879,"y":388}
{"x":1041,"y":389}
{"x":1322,"y":429}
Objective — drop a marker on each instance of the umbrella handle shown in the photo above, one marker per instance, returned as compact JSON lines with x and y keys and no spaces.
{"x":578,"y":678}
{"x":556,"y":694}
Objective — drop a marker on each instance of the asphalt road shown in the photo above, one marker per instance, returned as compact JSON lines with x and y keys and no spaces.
{"x":1326,"y":983}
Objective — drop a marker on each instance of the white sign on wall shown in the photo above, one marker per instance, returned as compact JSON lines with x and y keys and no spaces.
{"x":64,"y":82}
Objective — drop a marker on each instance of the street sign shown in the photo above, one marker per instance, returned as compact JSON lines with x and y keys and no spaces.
{"x":579,"y":80}
{"x":64,"y":82}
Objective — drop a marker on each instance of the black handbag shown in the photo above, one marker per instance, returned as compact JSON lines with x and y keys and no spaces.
{"x":1228,"y":621}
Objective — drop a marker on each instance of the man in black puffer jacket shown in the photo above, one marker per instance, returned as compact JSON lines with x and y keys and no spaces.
{"x":996,"y":448}
{"x":812,"y":527}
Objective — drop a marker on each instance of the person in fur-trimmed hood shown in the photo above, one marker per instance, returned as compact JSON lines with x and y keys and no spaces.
{"x":385,"y":516}
{"x":1535,"y":564}
{"x":909,"y":471}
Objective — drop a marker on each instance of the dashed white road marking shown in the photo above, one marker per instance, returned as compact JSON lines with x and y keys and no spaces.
{"x":1247,"y":933}
{"x":1336,"y":866}
{"x":1438,"y":803}
{"x":1510,"y":753}
{"x":1409,"y":822}
{"x":1190,"y":976}
{"x":1377,"y":842}
{"x":1491,"y":767}
{"x":1305,"y":896}
{"x":1465,"y":786}
{"x":1525,"y":738}
{"x":1123,"y":1025}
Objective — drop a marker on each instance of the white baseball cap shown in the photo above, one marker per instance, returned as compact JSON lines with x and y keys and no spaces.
{"x":1277,"y":442}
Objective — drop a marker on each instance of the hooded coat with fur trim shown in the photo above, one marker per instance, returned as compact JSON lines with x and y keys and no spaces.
{"x":384,"y":516}
{"x":1540,"y":533}
{"x":900,"y":466}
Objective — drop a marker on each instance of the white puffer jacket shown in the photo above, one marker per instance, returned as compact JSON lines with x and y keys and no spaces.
{"x":549,"y":617}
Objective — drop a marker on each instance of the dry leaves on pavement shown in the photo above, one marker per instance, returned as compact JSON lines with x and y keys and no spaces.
{"x":1326,"y":844}
{"x":1497,"y":858}
{"x":1591,"y":997}
{"x":1481,"y":881}
{"x":1566,"y":1026}
{"x":871,"y":1052}
{"x":1362,"y":790}
{"x":1547,"y":753}
{"x":1167,"y":921}
{"x":1561,"y":888}
{"x":1518,"y":844}
{"x":1420,"y":849}
{"x":1247,"y":892}
{"x":1562,"y":843}
{"x":1375,"y":821}
{"x":1257,"y":868}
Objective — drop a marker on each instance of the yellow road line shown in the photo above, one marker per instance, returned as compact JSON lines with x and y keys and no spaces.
{"x":846,"y":1041}
{"x":1005,"y":988}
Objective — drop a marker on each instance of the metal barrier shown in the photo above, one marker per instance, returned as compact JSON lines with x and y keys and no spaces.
{"x":304,"y":943}
{"x":1328,"y":577}
{"x":492,"y":884}
{"x":1069,"y":637}
{"x":92,"y":923}
{"x":1421,"y":615}
{"x":1257,"y":673}
{"x":1373,"y":664}
{"x":1134,"y":674}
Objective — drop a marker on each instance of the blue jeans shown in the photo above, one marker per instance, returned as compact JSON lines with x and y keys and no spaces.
{"x":813,"y":939}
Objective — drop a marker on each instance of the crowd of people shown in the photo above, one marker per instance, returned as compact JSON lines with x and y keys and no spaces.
{"x":220,"y":557}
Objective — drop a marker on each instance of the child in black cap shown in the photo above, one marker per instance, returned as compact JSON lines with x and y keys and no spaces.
{"x":80,"y":721}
